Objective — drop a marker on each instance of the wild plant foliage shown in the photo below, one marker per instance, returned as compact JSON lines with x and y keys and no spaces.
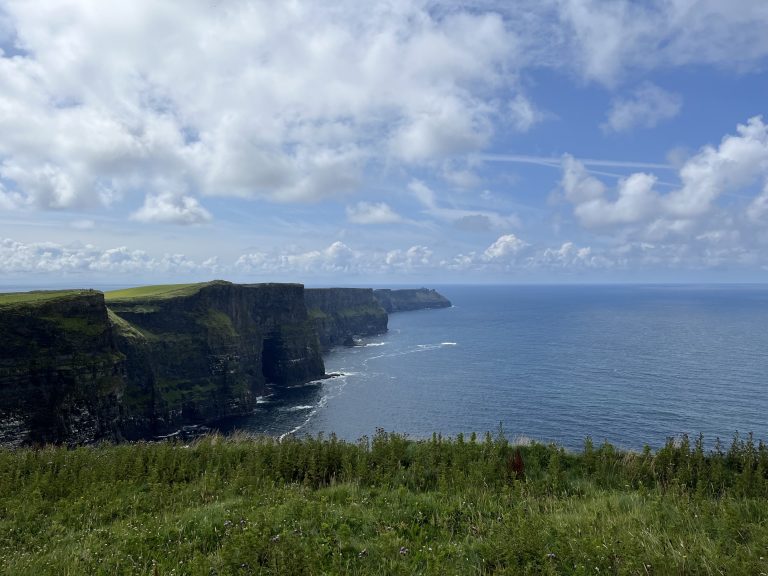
{"x":385,"y":504}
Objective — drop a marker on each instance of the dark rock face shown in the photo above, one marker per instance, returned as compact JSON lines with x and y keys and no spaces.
{"x":208,"y":355}
{"x":410,"y":299}
{"x":342,"y":314}
{"x":74,"y":371}
{"x":61,"y":376}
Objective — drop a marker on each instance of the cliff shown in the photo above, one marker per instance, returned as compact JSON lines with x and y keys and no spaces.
{"x":410,"y":299}
{"x":342,"y":314}
{"x":61,"y":375}
{"x":73,"y":370}
{"x":78,"y":366}
{"x":203,"y":352}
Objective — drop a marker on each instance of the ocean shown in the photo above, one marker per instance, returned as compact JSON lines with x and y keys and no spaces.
{"x":632,"y":365}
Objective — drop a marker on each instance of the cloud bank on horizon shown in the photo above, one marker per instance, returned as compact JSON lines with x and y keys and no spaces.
{"x":402,"y":141}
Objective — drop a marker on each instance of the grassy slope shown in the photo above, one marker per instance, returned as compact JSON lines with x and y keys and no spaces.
{"x":391,"y":506}
{"x":14,"y":298}
{"x":154,"y":292}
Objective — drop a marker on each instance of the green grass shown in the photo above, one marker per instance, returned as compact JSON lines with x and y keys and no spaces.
{"x":387,"y":505}
{"x":14,"y":298}
{"x":160,"y":291}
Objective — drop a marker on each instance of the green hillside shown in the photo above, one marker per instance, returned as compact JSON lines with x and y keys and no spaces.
{"x":385,"y":506}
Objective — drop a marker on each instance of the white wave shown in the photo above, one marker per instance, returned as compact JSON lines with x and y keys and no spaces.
{"x":447,"y":343}
{"x":297,"y":408}
{"x":376,"y":344}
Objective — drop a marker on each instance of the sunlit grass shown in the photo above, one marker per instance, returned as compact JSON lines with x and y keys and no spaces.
{"x":11,"y":298}
{"x":387,"y":505}
{"x":157,"y":291}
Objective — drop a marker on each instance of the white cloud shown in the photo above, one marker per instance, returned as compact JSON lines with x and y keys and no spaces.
{"x":412,"y":258}
{"x":635,"y":202}
{"x":372,"y":213}
{"x":461,"y":217}
{"x":173,"y":209}
{"x":738,"y":162}
{"x":504,"y":248}
{"x":758,"y":208}
{"x":523,"y":114}
{"x":423,"y":193}
{"x":110,"y":101}
{"x":50,"y":258}
{"x":646,"y":107}
{"x":569,"y":256}
{"x":607,"y":38}
{"x":338,"y":257}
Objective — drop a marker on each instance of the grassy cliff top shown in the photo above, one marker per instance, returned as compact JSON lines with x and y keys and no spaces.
{"x":38,"y":296}
{"x":158,"y":292}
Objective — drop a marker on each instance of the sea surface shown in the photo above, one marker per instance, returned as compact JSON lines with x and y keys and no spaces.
{"x":633,"y":365}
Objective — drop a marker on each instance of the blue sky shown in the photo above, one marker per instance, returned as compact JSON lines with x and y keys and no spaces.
{"x":395,"y":142}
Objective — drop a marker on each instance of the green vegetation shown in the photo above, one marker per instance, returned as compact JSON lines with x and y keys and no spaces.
{"x":385,"y":506}
{"x":14,"y":298}
{"x":160,"y":291}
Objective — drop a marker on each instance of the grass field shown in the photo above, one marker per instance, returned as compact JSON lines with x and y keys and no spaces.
{"x":12,"y":298}
{"x":387,"y":505}
{"x":154,"y":292}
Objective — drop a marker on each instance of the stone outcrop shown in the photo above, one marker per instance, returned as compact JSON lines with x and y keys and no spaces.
{"x":341,"y":315}
{"x":410,"y":299}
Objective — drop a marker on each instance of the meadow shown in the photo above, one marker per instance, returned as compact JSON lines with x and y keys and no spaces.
{"x":384,"y":505}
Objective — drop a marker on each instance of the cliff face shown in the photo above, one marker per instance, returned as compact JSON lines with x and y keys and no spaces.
{"x":61,"y":376}
{"x":76,"y":367}
{"x":342,"y":314}
{"x":410,"y":299}
{"x":202,"y":356}
{"x":74,"y":371}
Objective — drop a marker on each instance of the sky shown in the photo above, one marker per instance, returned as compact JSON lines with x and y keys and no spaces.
{"x":403,"y":142}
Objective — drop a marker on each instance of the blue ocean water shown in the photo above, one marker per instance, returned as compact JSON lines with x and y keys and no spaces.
{"x":627,"y":364}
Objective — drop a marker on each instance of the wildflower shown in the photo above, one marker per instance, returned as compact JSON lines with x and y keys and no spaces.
{"x":404,"y":550}
{"x":551,"y":555}
{"x":363,"y":553}
{"x":275,"y":538}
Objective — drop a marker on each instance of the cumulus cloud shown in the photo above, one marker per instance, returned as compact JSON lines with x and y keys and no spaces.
{"x":52,"y":258}
{"x":609,"y":38}
{"x":569,"y":256}
{"x":372,"y":213}
{"x":413,"y":257}
{"x":107,"y":102}
{"x":338,"y":257}
{"x":504,"y":248}
{"x":646,"y":107}
{"x":635,"y":199}
{"x":169,"y":208}
{"x":737,"y":162}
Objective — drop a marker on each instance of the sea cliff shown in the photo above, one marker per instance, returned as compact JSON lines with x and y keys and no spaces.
{"x":205,"y":352}
{"x":80,"y":366}
{"x":341,"y":315}
{"x":61,"y":375}
{"x":410,"y":299}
